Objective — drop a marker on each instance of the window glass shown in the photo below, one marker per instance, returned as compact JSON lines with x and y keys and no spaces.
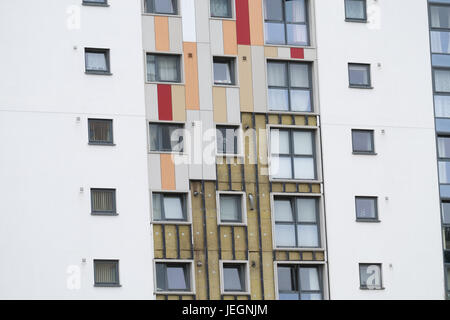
{"x":366,"y":208}
{"x":309,"y":279}
{"x":273,"y":10}
{"x":440,"y":42}
{"x":283,"y":211}
{"x":446,"y":212}
{"x":286,"y":279}
{"x":442,"y":80}
{"x":163,"y":68}
{"x":100,"y":131}
{"x":444,"y":172}
{"x":442,"y":106}
{"x":304,"y":169}
{"x":359,"y":75}
{"x":221,"y":8}
{"x":444,"y":147}
{"x":275,"y":33}
{"x":440,"y":16}
{"x":164,"y":6}
{"x":176,"y":278}
{"x":106,"y":272}
{"x":281,"y":167}
{"x":285,"y":235}
{"x":355,"y":9}
{"x":370,"y":276}
{"x":362,"y":141}
{"x":96,"y":61}
{"x":295,"y":11}
{"x":230,"y":208}
{"x":279,"y":100}
{"x":297,"y":34}
{"x":299,"y":74}
{"x":103,"y":201}
{"x":300,"y":100}
{"x":157,"y":210}
{"x":302,"y":143}
{"x":166,"y":137}
{"x":222,"y":72}
{"x":277,"y":74}
{"x":307,"y":236}
{"x":233,"y":277}
{"x":306,"y":210}
{"x":280,"y":141}
{"x":173,"y":207}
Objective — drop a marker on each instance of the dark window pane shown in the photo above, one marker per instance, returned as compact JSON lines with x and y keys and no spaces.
{"x":444,"y":172}
{"x":311,"y":296}
{"x":163,"y":68}
{"x":230,"y":208}
{"x":359,"y":75}
{"x":161,"y":277}
{"x":106,"y":272}
{"x":286,"y":279}
{"x":273,"y":10}
{"x":309,"y":279}
{"x":103,"y":201}
{"x":440,"y":16}
{"x":227,"y":140}
{"x":362,"y":141}
{"x":233,"y":277}
{"x":288,"y":296}
{"x":442,"y":106}
{"x":366,"y":208}
{"x":100,"y":131}
{"x":221,"y":8}
{"x":370,"y":276}
{"x":165,"y":6}
{"x":165,"y":137}
{"x":223,"y":71}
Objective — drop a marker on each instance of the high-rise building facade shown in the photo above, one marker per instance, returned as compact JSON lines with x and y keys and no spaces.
{"x":223,"y":149}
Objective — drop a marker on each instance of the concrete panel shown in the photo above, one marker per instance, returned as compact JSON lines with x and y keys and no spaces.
{"x":202,"y":20}
{"x":233,"y":106}
{"x":151,"y":101}
{"x":154,"y":171}
{"x":217,"y":38}
{"x":175,"y":34}
{"x":259,"y":79}
{"x":205,"y":76}
{"x":148,"y":33}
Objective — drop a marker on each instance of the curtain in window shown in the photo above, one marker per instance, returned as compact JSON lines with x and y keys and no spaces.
{"x":295,"y":11}
{"x":157,"y":212}
{"x":229,"y":208}
{"x":442,"y":80}
{"x":219,"y":8}
{"x":168,"y":68}
{"x":173,"y":208}
{"x":278,"y":99}
{"x":100,"y":131}
{"x":302,"y":143}
{"x":309,"y":279}
{"x":440,"y":16}
{"x":283,"y":211}
{"x":102,"y":201}
{"x":440,"y":42}
{"x":151,"y":68}
{"x":442,"y":106}
{"x":276,"y":74}
{"x":306,"y":210}
{"x":96,"y":61}
{"x":105,"y":273}
{"x":299,"y":74}
{"x":354,"y":9}
{"x":444,"y":172}
{"x":444,"y":147}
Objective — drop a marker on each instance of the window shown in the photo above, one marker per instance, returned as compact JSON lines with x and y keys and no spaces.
{"x":168,"y":7}
{"x":293,"y":155}
{"x":296,"y":222}
{"x":163,"y":68}
{"x":359,"y":75}
{"x":97,"y":61}
{"x":440,"y":29}
{"x":227,"y":139}
{"x":355,"y":10}
{"x":286,"y":22}
{"x":370,"y":276}
{"x":166,"y":137}
{"x":221,"y":8}
{"x":103,"y":201}
{"x":169,"y":207}
{"x":296,"y":282}
{"x":366,"y":208}
{"x":446,"y":212}
{"x":173,"y":276}
{"x":289,"y":86}
{"x":231,"y":208}
{"x":100,"y":131}
{"x":234,"y":277}
{"x":363,"y":141}
{"x":224,"y":71}
{"x":106,"y":273}
{"x":448,"y":281}
{"x":95,"y":2}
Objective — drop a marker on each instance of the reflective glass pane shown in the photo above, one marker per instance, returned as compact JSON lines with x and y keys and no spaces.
{"x":355,"y":9}
{"x":306,"y":210}
{"x":151,"y":68}
{"x":300,"y":100}
{"x":446,"y":212}
{"x":273,"y":10}
{"x":286,"y":282}
{"x":279,"y":141}
{"x":442,"y":80}
{"x":230,"y":208}
{"x":442,"y":106}
{"x":362,"y":141}
{"x":96,"y":61}
{"x":299,"y":74}
{"x":370,"y":276}
{"x":176,"y":278}
{"x":278,"y":100}
{"x":165,"y":6}
{"x":444,"y":147}
{"x":444,"y":172}
{"x":440,"y":42}
{"x":157,"y":212}
{"x":359,"y":75}
{"x":309,"y":279}
{"x":173,"y":207}
{"x":440,"y":16}
{"x":277,"y":74}
{"x":295,"y":10}
{"x":285,"y":235}
{"x":297,"y":34}
{"x":304,"y":168}
{"x":302,"y":143}
{"x":366,"y":208}
{"x":283,"y":211}
{"x":222,"y":73}
{"x":232,"y":278}
{"x":275,"y":33}
{"x":308,"y":236}
{"x":281,"y":167}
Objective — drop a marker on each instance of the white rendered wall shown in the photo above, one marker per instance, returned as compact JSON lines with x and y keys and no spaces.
{"x":45,"y":224}
{"x":408,"y":240}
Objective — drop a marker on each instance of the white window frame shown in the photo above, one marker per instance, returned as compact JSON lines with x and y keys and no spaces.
{"x":319,"y":223}
{"x":187,"y":194}
{"x":243,"y":208}
{"x":181,"y":293}
{"x":247,"y":291}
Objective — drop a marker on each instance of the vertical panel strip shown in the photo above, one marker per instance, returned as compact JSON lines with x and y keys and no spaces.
{"x":229,"y":37}
{"x":165,"y":102}
{"x":188,"y":22}
{"x":162,"y":41}
{"x":167,"y":172}
{"x":191,"y":75}
{"x":242,"y":22}
{"x":256,"y":22}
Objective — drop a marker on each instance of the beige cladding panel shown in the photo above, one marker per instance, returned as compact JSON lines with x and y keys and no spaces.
{"x":178,"y":103}
{"x":245,"y":78}
{"x":220,"y":104}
